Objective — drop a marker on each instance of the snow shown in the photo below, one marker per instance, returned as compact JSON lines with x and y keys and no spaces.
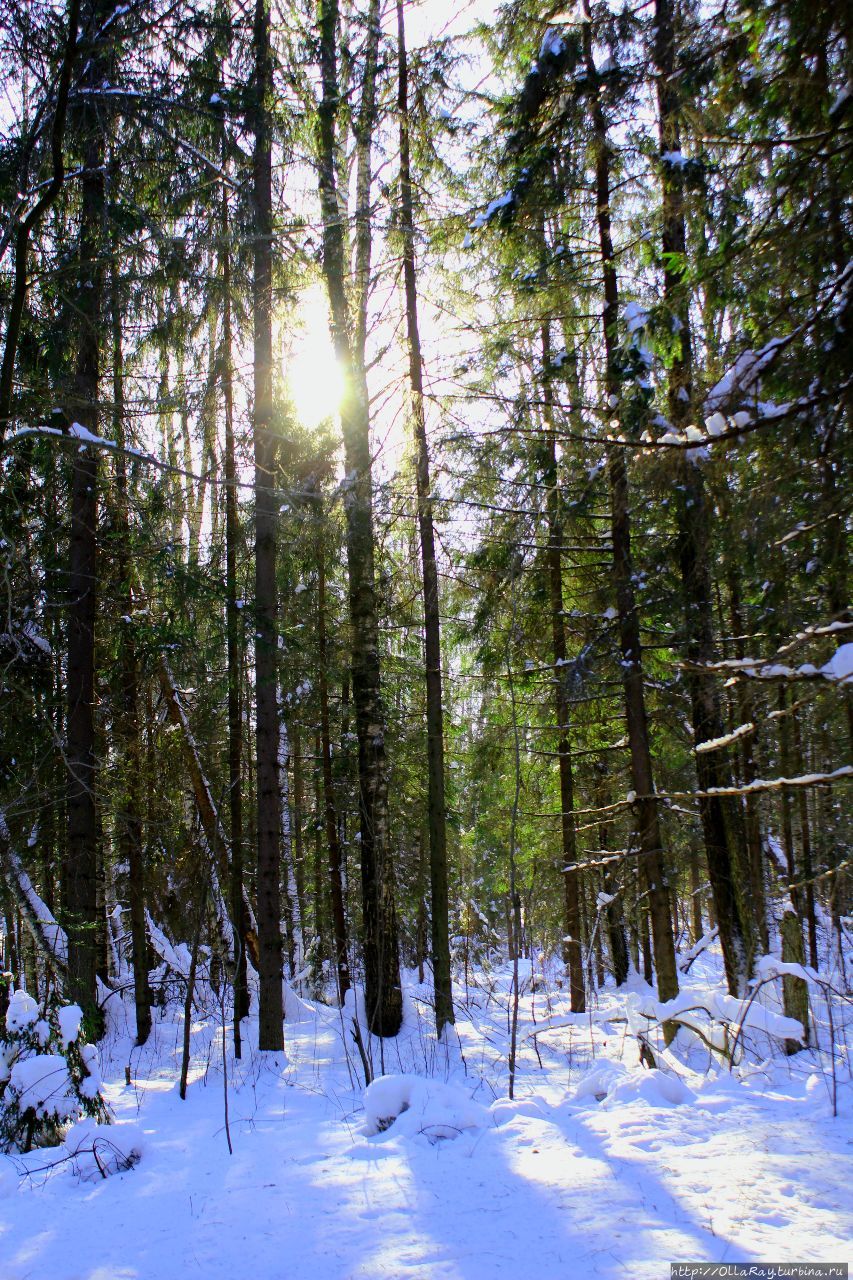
{"x":70,"y":1017}
{"x":715,"y":744}
{"x":552,"y":44}
{"x":22,"y":1012}
{"x":636,"y":317}
{"x":500,"y":202}
{"x":598,"y":1167}
{"x":42,"y":1083}
{"x":716,"y":424}
{"x":840,"y":665}
{"x":411,"y":1105}
{"x":743,"y":379}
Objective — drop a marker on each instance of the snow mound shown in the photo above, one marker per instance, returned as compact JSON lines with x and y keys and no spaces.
{"x":70,"y":1016}
{"x":410,"y":1105}
{"x":22,"y":1012}
{"x":98,"y":1150}
{"x":613,"y":1084}
{"x":42,"y":1084}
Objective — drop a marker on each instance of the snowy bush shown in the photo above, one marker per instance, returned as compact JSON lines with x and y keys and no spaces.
{"x":49,"y":1076}
{"x":413,"y":1105}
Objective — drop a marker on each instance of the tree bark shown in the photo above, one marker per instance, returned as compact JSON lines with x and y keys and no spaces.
{"x":333,"y":843}
{"x":572,"y":949}
{"x":642,"y":775}
{"x":383,"y":994}
{"x":130,"y":808}
{"x":270,"y":972}
{"x":80,"y":897}
{"x":234,"y":638}
{"x":726,"y":868}
{"x":442,"y":980}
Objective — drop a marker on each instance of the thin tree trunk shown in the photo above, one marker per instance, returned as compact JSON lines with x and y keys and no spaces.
{"x":271,"y":1006}
{"x":333,"y":844}
{"x":746,"y":713}
{"x":432,"y":624}
{"x":642,"y":776}
{"x":383,"y":994}
{"x":613,"y":913}
{"x":130,"y":808}
{"x":806,"y":864}
{"x":234,"y":638}
{"x":572,"y":949}
{"x":718,"y":813}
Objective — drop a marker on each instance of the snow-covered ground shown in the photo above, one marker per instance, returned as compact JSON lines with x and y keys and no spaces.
{"x":600,"y":1167}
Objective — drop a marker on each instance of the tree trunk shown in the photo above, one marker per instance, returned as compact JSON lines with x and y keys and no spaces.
{"x":746,"y":713}
{"x":234,"y":639}
{"x":613,"y":913}
{"x":432,"y":624}
{"x":81,"y":866}
{"x":130,"y":806}
{"x":383,"y":995}
{"x":271,"y":1006}
{"x":795,"y":991}
{"x":333,"y":843}
{"x":642,"y":776}
{"x":718,"y":813}
{"x":572,"y":949}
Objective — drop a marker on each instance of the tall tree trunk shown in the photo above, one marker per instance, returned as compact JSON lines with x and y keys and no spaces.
{"x":572,"y":949}
{"x":81,"y":865}
{"x":752,"y":823}
{"x":806,"y":863}
{"x":718,"y":813}
{"x":429,"y":574}
{"x":271,"y":1006}
{"x":642,"y":776}
{"x":613,"y":912}
{"x":234,"y":637}
{"x":130,"y":807}
{"x":383,"y":994}
{"x":333,"y":843}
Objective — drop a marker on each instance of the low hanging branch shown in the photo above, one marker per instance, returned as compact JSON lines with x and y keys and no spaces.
{"x":48,"y":936}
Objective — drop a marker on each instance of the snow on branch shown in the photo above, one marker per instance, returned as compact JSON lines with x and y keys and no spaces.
{"x":47,"y":934}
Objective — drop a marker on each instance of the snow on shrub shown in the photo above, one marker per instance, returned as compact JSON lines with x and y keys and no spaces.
{"x":97,"y":1150}
{"x":414,"y":1105}
{"x":49,"y":1076}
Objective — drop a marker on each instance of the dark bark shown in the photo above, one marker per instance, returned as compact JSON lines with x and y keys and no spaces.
{"x":383,"y":994}
{"x":429,"y":575}
{"x":795,"y":991}
{"x":80,"y":872}
{"x":642,"y":777}
{"x":613,"y":912}
{"x":234,"y":641}
{"x":806,"y":869}
{"x":718,"y":813}
{"x":130,"y":809}
{"x":572,"y":949}
{"x":333,"y":843}
{"x":752,"y":823}
{"x":270,"y":973}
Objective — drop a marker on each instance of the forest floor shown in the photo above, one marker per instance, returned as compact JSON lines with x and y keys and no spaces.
{"x":600,"y":1167}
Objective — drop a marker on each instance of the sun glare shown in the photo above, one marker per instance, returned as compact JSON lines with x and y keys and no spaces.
{"x":314,"y":378}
